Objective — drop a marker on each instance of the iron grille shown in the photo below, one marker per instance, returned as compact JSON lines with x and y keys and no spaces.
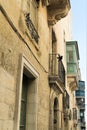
{"x":31,"y":28}
{"x":56,"y":67}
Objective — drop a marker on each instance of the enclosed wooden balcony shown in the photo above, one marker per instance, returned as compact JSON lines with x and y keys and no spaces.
{"x":57,"y":9}
{"x":83,"y":125}
{"x":80,"y":94}
{"x":56,"y":72}
{"x":72,"y":53}
{"x":80,"y":102}
{"x":80,"y":99}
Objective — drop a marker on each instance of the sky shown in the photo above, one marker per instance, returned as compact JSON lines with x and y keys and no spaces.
{"x":79,"y":29}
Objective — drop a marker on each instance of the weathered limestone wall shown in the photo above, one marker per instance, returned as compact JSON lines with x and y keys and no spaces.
{"x":11,"y":46}
{"x":7,"y":100}
{"x":15,"y":40}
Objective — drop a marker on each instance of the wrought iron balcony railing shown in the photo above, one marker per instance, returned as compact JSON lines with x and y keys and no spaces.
{"x":56,"y":69}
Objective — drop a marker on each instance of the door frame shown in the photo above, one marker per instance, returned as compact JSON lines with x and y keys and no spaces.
{"x":23,"y":62}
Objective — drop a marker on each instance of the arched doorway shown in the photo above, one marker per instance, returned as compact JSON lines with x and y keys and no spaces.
{"x":56,"y":114}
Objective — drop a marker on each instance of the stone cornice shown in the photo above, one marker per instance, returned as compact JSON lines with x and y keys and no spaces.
{"x":57,"y":9}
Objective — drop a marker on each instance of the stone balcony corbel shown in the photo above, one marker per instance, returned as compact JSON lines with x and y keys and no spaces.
{"x":72,"y":82}
{"x":57,"y":9}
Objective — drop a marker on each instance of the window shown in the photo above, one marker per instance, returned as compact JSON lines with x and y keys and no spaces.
{"x":32,"y":9}
{"x":26,"y":98}
{"x":23,"y":103}
{"x":70,"y":56}
{"x":31,"y":18}
{"x":69,"y":48}
{"x":55,"y":114}
{"x":28,"y":102}
{"x":74,"y":113}
{"x":81,"y":114}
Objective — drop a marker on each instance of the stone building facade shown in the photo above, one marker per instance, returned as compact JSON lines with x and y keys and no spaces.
{"x":33,"y":78}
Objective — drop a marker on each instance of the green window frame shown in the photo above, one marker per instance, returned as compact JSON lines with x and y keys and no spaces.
{"x":23,"y":103}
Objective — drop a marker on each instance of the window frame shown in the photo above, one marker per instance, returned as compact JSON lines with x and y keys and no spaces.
{"x":24,"y":63}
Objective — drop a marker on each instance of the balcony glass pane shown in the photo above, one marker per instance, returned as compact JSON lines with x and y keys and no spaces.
{"x":80,"y":93}
{"x":72,"y":57}
{"x":81,"y":85}
{"x":71,"y":54}
{"x":71,"y":68}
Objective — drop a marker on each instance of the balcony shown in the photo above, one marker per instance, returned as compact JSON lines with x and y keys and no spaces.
{"x":81,"y":106}
{"x":72,"y":76}
{"x":81,"y":85}
{"x":72,"y":53}
{"x":80,"y":94}
{"x":83,"y":124}
{"x":56,"y":72}
{"x":71,"y":68}
{"x":80,"y":102}
{"x":57,"y":9}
